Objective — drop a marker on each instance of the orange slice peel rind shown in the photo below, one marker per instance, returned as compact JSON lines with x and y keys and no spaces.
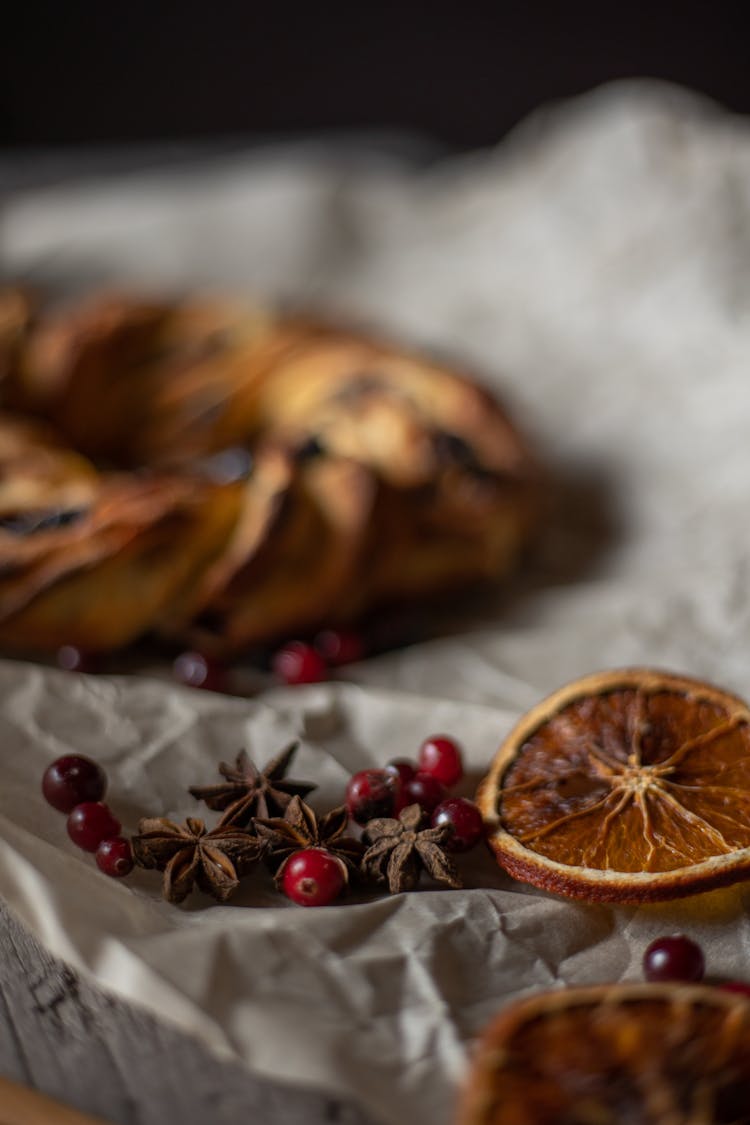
{"x":625,"y":786}
{"x":651,"y":1053}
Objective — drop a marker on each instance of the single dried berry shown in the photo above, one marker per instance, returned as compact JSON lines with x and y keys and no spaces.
{"x":626,"y":786}
{"x":248,"y":792}
{"x":73,"y":659}
{"x":91,"y":822}
{"x":339,"y":646}
{"x":372,"y":793}
{"x":190,"y":855}
{"x":399,"y":850}
{"x":196,"y":670}
{"x":425,"y":790}
{"x":673,"y":958}
{"x":312,"y":878}
{"x":405,"y":769}
{"x":465,"y":819}
{"x":71,"y":780}
{"x":115,"y":857}
{"x":441,"y":757}
{"x":299,"y":663}
{"x":300,"y":828}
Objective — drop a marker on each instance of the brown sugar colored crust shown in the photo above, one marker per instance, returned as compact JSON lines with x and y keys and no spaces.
{"x":16,"y":316}
{"x":102,"y":577}
{"x":376,"y":475}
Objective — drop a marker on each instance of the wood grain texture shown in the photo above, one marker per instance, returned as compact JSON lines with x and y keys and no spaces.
{"x":97,"y":1054}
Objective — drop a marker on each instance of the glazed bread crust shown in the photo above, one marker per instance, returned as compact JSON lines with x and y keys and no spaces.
{"x":228,"y":476}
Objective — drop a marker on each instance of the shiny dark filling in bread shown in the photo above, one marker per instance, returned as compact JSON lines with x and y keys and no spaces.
{"x":29,"y":523}
{"x":211,"y":621}
{"x":359,"y":386}
{"x":452,"y":449}
{"x":309,"y":449}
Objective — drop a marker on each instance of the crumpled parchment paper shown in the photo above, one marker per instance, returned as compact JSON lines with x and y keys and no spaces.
{"x":596,"y":269}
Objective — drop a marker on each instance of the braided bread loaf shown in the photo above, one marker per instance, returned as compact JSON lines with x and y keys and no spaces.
{"x":238,"y":476}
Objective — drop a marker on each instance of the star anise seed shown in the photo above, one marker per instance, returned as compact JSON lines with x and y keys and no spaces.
{"x":399,"y":850}
{"x":248,"y":792}
{"x":300,"y":827}
{"x":191,"y":855}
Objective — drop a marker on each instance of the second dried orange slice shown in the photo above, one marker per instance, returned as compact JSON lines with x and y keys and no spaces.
{"x":655,"y":1054}
{"x":625,"y":786}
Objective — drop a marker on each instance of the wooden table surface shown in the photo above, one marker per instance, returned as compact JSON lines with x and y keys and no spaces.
{"x":97,"y":1054}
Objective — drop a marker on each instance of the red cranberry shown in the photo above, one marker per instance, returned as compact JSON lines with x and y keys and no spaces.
{"x":674,"y":958}
{"x":340,"y":646}
{"x":199,"y":671}
{"x":91,"y":822}
{"x":372,"y":793}
{"x":299,"y":663}
{"x":72,"y":779}
{"x":405,"y":769}
{"x":114,"y":857}
{"x":312,"y":877}
{"x":72,"y":659}
{"x":465,"y":819}
{"x":425,"y":790}
{"x":441,"y":757}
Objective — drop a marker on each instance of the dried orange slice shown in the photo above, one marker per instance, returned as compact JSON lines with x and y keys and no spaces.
{"x":656,"y":1054}
{"x":626,"y":786}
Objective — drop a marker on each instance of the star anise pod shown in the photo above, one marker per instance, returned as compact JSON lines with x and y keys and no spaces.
{"x":191,"y":855}
{"x":300,"y":827}
{"x":248,"y":792}
{"x":399,"y":850}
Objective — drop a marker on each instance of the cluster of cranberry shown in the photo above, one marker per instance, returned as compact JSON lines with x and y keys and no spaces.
{"x":75,"y":785}
{"x":296,"y":662}
{"x":312,"y":878}
{"x":439,"y":766}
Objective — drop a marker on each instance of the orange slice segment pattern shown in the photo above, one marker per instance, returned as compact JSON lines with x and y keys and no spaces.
{"x":623,"y":776}
{"x":652,"y":1054}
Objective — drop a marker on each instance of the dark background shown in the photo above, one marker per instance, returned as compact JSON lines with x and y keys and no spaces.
{"x":76,"y":73}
